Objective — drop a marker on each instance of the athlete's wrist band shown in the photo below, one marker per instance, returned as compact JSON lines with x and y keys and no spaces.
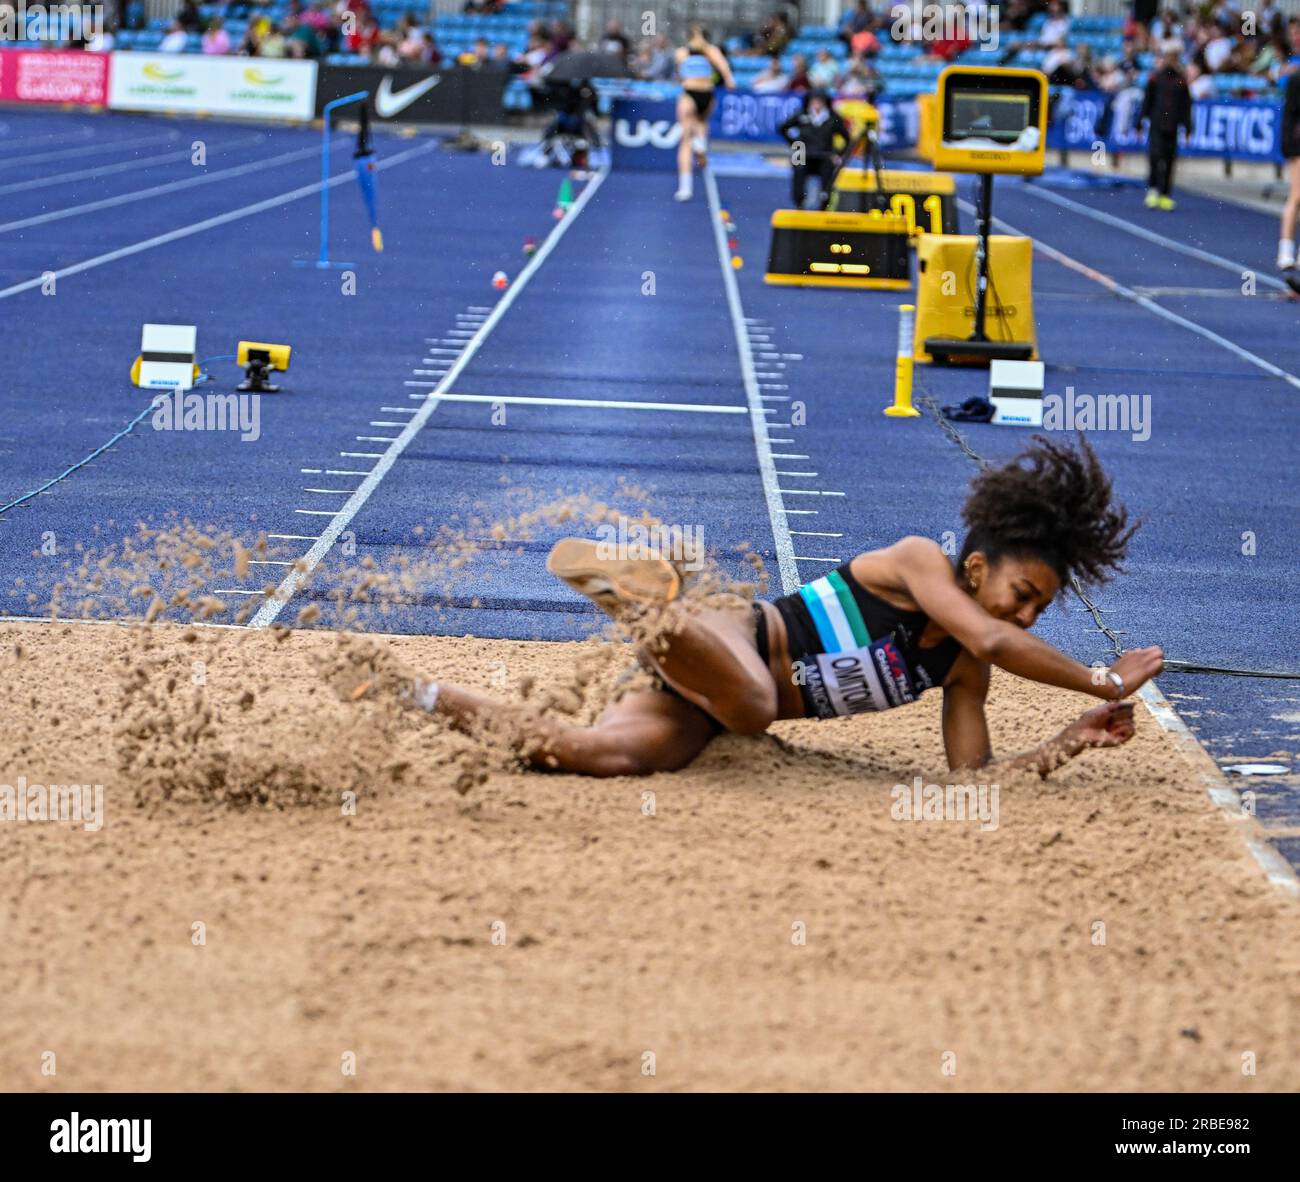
{"x":1117,"y":681}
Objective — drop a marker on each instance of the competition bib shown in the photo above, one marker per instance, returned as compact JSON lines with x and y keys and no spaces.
{"x":855,"y":680}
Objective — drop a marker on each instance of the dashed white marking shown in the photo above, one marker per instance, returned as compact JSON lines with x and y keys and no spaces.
{"x":811,"y":558}
{"x":788,"y":455}
{"x":815,"y":533}
{"x":363,"y":455}
{"x":376,"y":438}
{"x":316,"y":512}
{"x":809,"y":492}
{"x":796,"y":473}
{"x":595,"y":403}
{"x":295,"y":537}
{"x":269,"y":610}
{"x":344,"y":491}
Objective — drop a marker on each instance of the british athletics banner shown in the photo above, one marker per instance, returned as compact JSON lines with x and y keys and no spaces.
{"x":1240,"y":129}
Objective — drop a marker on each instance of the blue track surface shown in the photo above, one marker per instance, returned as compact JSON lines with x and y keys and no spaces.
{"x":630,"y":305}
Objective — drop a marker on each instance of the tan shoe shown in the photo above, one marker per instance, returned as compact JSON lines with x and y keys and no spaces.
{"x":612,"y":583}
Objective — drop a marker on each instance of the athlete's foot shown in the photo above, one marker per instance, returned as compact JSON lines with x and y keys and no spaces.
{"x":613,"y":584}
{"x":1166,"y":203}
{"x":683,"y":195}
{"x":1152,"y":199}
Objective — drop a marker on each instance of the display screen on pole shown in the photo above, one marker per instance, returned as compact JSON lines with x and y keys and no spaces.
{"x":992,"y":120}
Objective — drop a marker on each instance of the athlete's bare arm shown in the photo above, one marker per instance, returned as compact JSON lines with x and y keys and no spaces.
{"x":720,"y":63}
{"x":925,"y":572}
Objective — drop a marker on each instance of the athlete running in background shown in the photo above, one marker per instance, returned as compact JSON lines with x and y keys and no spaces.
{"x":872,"y":635}
{"x":699,"y":64}
{"x":1286,"y":254}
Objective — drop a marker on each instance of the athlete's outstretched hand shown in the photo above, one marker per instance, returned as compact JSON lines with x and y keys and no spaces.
{"x":1107,"y":725}
{"x":1138,"y":666}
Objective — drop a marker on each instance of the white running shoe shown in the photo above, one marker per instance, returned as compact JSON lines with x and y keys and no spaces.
{"x":684,"y":193}
{"x":1285,"y":254}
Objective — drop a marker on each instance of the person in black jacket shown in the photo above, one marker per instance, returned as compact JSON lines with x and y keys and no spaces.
{"x":1166,"y":106}
{"x":811,"y":133}
{"x":1286,"y":253}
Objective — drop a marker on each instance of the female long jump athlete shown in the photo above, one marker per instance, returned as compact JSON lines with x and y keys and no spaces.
{"x":873,"y":635}
{"x":699,"y":64}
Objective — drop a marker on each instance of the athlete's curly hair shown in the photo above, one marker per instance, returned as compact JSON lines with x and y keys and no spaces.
{"x":1053,"y":502}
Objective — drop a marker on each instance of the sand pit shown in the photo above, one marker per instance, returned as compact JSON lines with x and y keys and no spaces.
{"x":759,"y":921}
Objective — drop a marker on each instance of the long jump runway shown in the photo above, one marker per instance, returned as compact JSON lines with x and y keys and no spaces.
{"x":630,"y":362}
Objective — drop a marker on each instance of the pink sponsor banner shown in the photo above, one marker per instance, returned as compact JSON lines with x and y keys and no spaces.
{"x":53,"y":76}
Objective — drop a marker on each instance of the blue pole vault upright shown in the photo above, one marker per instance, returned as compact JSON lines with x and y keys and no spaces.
{"x":330,"y":107}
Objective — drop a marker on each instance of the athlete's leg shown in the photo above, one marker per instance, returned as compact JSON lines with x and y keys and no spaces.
{"x":644,"y":731}
{"x":686,"y":121}
{"x":711,"y":659}
{"x":708,"y":656}
{"x":1286,"y":252}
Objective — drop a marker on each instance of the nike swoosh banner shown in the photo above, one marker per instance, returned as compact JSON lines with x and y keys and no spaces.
{"x":460,"y":97}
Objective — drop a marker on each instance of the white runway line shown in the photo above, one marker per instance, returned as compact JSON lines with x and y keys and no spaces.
{"x":1151,"y":306}
{"x":758,"y":424}
{"x":220,"y":219}
{"x":63,"y":178}
{"x":1194,"y":252}
{"x":590,"y":403}
{"x":363,"y":455}
{"x":805,"y":558}
{"x":269,"y":610}
{"x":89,"y":149}
{"x":203,"y":178}
{"x":295,"y":537}
{"x":815,"y":533}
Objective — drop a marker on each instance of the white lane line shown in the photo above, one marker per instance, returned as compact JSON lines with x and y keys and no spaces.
{"x":383,"y":423}
{"x":758,"y":424}
{"x":205,"y":178}
{"x":1194,"y":252}
{"x":429,"y":373}
{"x":267,"y":613}
{"x":810,"y":558}
{"x":376,"y":438}
{"x":1276,"y":868}
{"x":311,"y":471}
{"x":775,"y":397}
{"x":792,"y":356}
{"x":397,"y":410}
{"x":815,"y":533}
{"x":591,"y":403}
{"x":316,"y":512}
{"x":363,"y":455}
{"x":81,"y":133}
{"x":799,"y":513}
{"x":220,"y":219}
{"x":105,"y":145}
{"x":233,"y":591}
{"x":478,"y":308}
{"x":796,"y":473}
{"x":343,"y":491}
{"x":809,"y":492}
{"x":434,"y":349}
{"x":788,"y":455}
{"x":1151,"y":306}
{"x":295,"y":537}
{"x":267,"y":562}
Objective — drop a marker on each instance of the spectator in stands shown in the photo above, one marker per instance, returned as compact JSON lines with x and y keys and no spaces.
{"x":175,"y":41}
{"x":860,"y":20}
{"x":811,"y":133}
{"x":774,"y":34}
{"x":771,"y":79}
{"x":1219,"y":47}
{"x":103,"y":41}
{"x":654,"y":59}
{"x":1272,"y":59}
{"x":385,"y":53}
{"x":216,"y":39}
{"x":189,"y":18}
{"x":477,"y":56}
{"x":273,"y":43}
{"x":1166,"y":27}
{"x":1200,"y":82}
{"x":945,"y":48}
{"x":303,"y":41}
{"x":366,"y":36}
{"x":1130,"y":64}
{"x":861,"y":80}
{"x":615,"y":42}
{"x":1166,"y":107}
{"x":799,"y":80}
{"x":501,"y":59}
{"x":865,"y":43}
{"x":1076,"y":71}
{"x":825,"y":71}
{"x":410,"y":40}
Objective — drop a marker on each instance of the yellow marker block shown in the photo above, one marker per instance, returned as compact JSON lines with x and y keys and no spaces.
{"x":902,"y":407}
{"x":737,"y":262}
{"x":376,"y":239}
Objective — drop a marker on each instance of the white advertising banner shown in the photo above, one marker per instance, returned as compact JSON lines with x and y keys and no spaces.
{"x":270,"y":88}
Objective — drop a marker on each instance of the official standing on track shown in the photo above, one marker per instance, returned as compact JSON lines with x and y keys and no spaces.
{"x":1286,"y":256}
{"x":1166,"y":107}
{"x":811,"y":134}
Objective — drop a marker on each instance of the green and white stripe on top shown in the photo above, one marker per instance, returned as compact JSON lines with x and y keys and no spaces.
{"x":835,"y":613}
